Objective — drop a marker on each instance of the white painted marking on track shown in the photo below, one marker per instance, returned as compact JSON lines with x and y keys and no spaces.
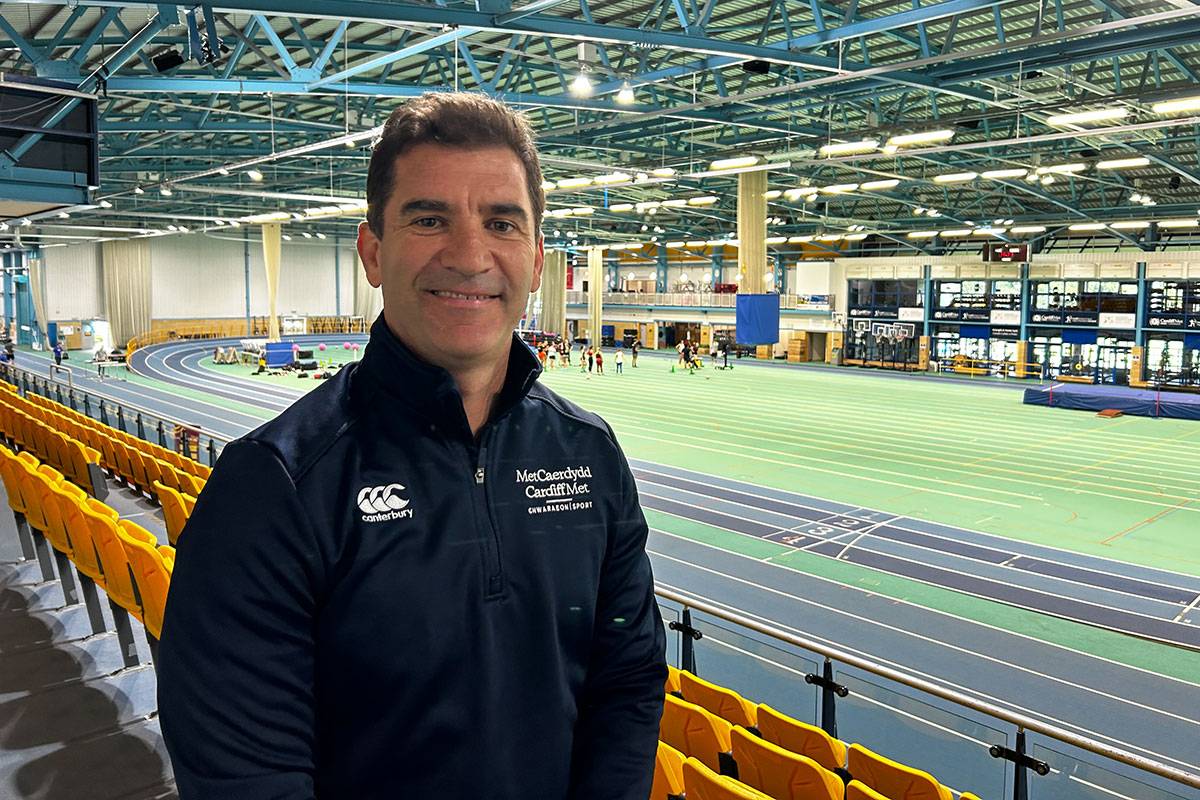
{"x":842,"y":553}
{"x":1189,"y":607}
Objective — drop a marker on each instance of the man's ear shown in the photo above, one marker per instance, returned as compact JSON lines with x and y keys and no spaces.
{"x":368,"y":253}
{"x":539,"y":261}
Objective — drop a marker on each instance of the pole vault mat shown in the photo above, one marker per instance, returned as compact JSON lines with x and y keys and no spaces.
{"x":1138,"y":402}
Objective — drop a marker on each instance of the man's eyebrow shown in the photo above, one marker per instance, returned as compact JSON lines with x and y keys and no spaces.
{"x":423,"y":204}
{"x":508,"y":210}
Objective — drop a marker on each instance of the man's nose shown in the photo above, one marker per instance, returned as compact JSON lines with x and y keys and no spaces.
{"x":468,"y":251}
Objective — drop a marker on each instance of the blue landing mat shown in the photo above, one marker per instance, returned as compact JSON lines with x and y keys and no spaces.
{"x":1138,"y":402}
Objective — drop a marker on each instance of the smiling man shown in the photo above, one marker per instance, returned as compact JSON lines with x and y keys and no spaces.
{"x":428,"y":577}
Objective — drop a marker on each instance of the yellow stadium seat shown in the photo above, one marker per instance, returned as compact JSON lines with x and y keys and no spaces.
{"x":694,"y":731}
{"x":12,"y":471}
{"x":782,"y":774}
{"x":190,"y":484}
{"x":57,"y":498}
{"x":701,"y":783}
{"x":800,"y":737}
{"x":672,"y":680}
{"x":175,"y":512}
{"x":33,"y":479}
{"x":857,"y":790}
{"x":893,"y":779}
{"x":151,"y":574}
{"x":114,"y":560}
{"x":668,"y":773}
{"x":725,"y":703}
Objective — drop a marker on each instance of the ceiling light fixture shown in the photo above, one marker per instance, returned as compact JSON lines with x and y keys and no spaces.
{"x":1028,"y":229}
{"x":1130,"y":225}
{"x":839,"y":188}
{"x":848,"y":148}
{"x":1177,"y":106}
{"x":663,"y":172}
{"x":611,"y":178}
{"x":924,"y":137}
{"x":1123,"y":163}
{"x":1087,"y":226}
{"x":921,"y":234}
{"x":626,"y":97}
{"x":703,"y":200}
{"x":254,"y":175}
{"x":732,"y":163}
{"x":1061,"y":169}
{"x":574,"y":183}
{"x":955,"y":177}
{"x":999,"y":174}
{"x":138,"y":190}
{"x":955,"y":232}
{"x":165,"y":190}
{"x":1179,"y":223}
{"x":890,"y":183}
{"x":582,"y":85}
{"x":1084,"y":117}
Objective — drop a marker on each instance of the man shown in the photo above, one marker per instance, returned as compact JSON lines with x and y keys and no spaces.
{"x":427,"y":578}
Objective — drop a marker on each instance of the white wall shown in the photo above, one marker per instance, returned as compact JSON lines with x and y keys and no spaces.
{"x":204,"y":276}
{"x":74,"y":284}
{"x":811,"y":277}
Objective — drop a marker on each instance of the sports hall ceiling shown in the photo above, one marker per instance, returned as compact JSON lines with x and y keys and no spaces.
{"x":711,"y":79}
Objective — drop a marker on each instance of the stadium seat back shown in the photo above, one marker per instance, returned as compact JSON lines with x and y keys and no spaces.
{"x":118,"y":582}
{"x":33,"y":489}
{"x":672,"y":686}
{"x":725,"y":703}
{"x":893,"y":779}
{"x":857,"y":790}
{"x":150,"y":573}
{"x":11,"y":469}
{"x":782,"y":774}
{"x":800,"y":737}
{"x":694,"y":731}
{"x":175,"y":512}
{"x":57,"y":501}
{"x":702,"y":783}
{"x":668,"y":773}
{"x":79,"y":528}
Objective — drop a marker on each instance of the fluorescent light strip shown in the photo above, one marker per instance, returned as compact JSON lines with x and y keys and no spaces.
{"x":839,"y":188}
{"x":884,"y":184}
{"x":1028,"y":229}
{"x":921,"y":234}
{"x":925,"y":137}
{"x":955,"y":232}
{"x":848,"y":148}
{"x":1061,"y":169}
{"x":1177,"y":106}
{"x":1084,"y":117}
{"x":1087,"y":226}
{"x":955,"y":177}
{"x":1123,"y":163}
{"x":997,"y":174}
{"x":734,"y":163}
{"x":1130,"y":225}
{"x":1179,"y":223}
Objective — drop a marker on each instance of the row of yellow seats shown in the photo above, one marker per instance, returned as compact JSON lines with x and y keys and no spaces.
{"x":789,"y":759}
{"x":45,"y":441}
{"x":115,"y":554}
{"x":138,"y":462}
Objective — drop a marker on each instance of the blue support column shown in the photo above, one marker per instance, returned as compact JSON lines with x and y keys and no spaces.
{"x":718,"y":265}
{"x":927,"y":278}
{"x":9,"y":263}
{"x":1139,"y":333}
{"x":660,"y":280}
{"x":1024,"y":303}
{"x":780,"y":274}
{"x":614,"y":276}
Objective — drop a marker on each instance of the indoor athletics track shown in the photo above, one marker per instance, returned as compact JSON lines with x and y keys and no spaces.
{"x":1148,"y":711}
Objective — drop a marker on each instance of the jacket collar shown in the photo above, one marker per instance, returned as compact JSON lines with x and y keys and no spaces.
{"x":389,"y":365}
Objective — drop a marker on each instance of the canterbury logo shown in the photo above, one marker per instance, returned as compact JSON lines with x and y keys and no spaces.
{"x":381,"y":499}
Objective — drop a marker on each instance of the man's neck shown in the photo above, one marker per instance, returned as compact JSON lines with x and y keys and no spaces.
{"x":479,"y":387}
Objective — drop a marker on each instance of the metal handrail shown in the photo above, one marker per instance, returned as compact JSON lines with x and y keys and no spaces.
{"x":695,"y":603}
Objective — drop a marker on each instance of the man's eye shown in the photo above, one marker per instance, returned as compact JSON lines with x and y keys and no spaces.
{"x":503,"y":226}
{"x":427,"y":222}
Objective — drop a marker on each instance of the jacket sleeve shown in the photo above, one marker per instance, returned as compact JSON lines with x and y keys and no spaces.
{"x":616,"y":735}
{"x":235,"y":664}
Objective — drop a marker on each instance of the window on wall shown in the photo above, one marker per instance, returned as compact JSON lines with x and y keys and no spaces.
{"x":1006,"y":295}
{"x":884,"y":294}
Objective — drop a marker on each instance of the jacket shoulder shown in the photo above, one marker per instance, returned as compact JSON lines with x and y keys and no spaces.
{"x":569,"y":411}
{"x":308,"y":428}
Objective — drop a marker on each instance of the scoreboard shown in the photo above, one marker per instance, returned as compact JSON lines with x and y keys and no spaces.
{"x":1006,"y":251}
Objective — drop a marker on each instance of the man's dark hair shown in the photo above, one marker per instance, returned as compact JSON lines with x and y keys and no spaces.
{"x":452,"y":119}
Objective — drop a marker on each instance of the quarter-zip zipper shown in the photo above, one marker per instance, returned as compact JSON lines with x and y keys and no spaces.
{"x":492,"y":568}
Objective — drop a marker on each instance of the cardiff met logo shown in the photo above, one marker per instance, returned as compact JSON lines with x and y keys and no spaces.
{"x":557,"y":490}
{"x":382,"y":503}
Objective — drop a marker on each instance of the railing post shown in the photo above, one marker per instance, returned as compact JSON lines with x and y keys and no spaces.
{"x":120,"y":419}
{"x":1021,"y":764}
{"x":87,"y":410}
{"x":58,"y":394}
{"x":184,"y":443}
{"x":830,"y":691}
{"x":687,"y":656}
{"x":104,"y":414}
{"x":141,"y":429}
{"x":71,"y":399}
{"x":212,"y":452}
{"x":162,"y":434}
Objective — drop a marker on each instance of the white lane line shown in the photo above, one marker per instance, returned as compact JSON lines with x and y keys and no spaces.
{"x":842,"y":553}
{"x":1190,"y":606}
{"x":908,"y":668}
{"x":993,"y":541}
{"x":994,"y":581}
{"x":792,"y":572}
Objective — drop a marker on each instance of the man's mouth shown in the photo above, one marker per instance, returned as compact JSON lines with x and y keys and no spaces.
{"x":462,"y":295}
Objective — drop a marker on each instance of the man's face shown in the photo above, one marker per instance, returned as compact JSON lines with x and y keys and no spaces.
{"x":459,"y":253}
